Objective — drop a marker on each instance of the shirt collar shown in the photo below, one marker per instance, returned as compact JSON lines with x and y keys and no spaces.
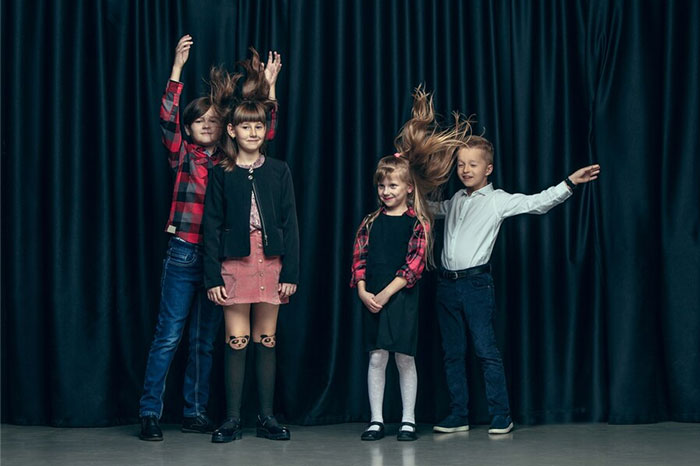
{"x":481,"y":192}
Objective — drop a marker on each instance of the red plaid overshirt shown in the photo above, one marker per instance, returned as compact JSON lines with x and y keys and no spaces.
{"x":191,"y":164}
{"x":411,"y":270}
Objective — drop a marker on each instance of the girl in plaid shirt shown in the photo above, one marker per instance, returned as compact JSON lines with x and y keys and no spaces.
{"x":392,"y":246}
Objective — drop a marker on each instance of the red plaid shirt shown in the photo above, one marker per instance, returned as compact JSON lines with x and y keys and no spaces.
{"x":191,"y":164}
{"x":411,"y":270}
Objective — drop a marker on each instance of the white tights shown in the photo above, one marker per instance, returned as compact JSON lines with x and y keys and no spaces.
{"x":376,"y":380}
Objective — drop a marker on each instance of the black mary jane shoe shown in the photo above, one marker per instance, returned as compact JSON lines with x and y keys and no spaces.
{"x":229,"y":431}
{"x":407,"y":435}
{"x":373,"y":434}
{"x":268,"y":427}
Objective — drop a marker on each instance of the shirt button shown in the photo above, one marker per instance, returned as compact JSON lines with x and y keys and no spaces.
{"x":262,"y":288}
{"x":259,"y":261}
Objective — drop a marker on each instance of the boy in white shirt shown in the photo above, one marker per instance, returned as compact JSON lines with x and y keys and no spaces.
{"x":473,"y":217}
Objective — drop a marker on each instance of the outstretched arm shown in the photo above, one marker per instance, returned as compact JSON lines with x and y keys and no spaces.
{"x":508,"y":205}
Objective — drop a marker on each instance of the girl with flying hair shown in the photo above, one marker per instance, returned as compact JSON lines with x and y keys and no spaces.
{"x":392,"y":247}
{"x":251,"y":242}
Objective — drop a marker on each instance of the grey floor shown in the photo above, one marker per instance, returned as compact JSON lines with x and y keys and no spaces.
{"x":560,"y":445}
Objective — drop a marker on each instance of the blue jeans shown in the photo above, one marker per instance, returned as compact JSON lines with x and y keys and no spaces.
{"x":468,"y":304}
{"x":182,"y":296}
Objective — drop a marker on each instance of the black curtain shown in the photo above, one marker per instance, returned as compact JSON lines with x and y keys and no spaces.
{"x":597,"y":301}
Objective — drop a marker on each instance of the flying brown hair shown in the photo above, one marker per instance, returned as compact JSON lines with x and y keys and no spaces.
{"x":251,"y":104}
{"x":427,"y":156}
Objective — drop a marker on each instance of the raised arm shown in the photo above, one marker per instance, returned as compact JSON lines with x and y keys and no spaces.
{"x":170,"y":103}
{"x":272,"y":70}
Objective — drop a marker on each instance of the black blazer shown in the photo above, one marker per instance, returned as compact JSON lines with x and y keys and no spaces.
{"x":226,"y":221}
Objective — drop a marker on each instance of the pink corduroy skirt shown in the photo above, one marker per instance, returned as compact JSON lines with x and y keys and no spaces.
{"x":253,"y":279}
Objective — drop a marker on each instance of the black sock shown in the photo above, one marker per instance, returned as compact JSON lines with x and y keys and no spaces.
{"x":265,"y":368}
{"x":234,"y":372}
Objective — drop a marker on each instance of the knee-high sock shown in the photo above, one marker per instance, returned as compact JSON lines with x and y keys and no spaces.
{"x":265,"y":368}
{"x":408,"y":380}
{"x":376,"y":379}
{"x":234,"y":372}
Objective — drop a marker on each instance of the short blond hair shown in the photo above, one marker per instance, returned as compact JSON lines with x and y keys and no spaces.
{"x":479,"y":142}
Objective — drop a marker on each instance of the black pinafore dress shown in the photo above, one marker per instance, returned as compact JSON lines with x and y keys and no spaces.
{"x":395,"y":327}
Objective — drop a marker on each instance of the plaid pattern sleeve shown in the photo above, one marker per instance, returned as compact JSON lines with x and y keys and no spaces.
{"x":359,"y":255}
{"x":272,"y":123}
{"x":170,"y":122}
{"x":415,"y":257}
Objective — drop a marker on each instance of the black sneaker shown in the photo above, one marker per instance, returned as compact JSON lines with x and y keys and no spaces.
{"x":150,"y":430}
{"x":501,"y":425}
{"x":200,"y":424}
{"x":452,"y":423}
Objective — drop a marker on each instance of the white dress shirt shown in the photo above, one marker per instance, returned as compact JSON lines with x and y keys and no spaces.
{"x":472,"y":221}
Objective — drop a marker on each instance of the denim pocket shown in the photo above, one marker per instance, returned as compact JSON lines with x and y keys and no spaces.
{"x":182,"y":255}
{"x":481,"y":281}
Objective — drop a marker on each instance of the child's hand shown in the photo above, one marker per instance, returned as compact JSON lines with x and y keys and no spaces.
{"x":286,"y":289}
{"x":273,"y":67}
{"x":217,"y":295}
{"x":369,"y":301}
{"x":182,"y":51}
{"x":382,"y":297}
{"x":585,"y":174}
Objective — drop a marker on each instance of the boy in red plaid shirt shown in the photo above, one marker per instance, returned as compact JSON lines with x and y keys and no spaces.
{"x":182,"y":290}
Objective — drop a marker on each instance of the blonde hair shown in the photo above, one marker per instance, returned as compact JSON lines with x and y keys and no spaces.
{"x":480,"y":142}
{"x":427,"y":155}
{"x":251,"y":105}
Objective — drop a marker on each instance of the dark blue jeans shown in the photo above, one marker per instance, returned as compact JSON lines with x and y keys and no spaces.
{"x":468,"y":304}
{"x":182,"y":296}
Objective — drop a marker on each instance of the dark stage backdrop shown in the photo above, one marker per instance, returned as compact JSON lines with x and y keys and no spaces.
{"x":597,"y":301}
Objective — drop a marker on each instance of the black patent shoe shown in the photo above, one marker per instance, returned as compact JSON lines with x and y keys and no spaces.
{"x":200,"y":424}
{"x":150,"y":430}
{"x":407,"y":435}
{"x":268,"y":427}
{"x":229,"y":431}
{"x":373,"y":434}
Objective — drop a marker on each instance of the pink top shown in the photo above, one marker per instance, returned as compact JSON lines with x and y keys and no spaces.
{"x":255,"y":223}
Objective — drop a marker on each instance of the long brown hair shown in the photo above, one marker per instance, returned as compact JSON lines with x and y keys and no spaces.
{"x":426,"y":157}
{"x":251,"y":104}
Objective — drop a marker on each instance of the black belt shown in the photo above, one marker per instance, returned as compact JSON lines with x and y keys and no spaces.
{"x":464,"y":273}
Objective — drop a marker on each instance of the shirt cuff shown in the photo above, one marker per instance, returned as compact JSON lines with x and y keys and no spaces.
{"x":409,"y":276}
{"x":563,"y":191}
{"x":174,"y":86}
{"x":357,"y":277}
